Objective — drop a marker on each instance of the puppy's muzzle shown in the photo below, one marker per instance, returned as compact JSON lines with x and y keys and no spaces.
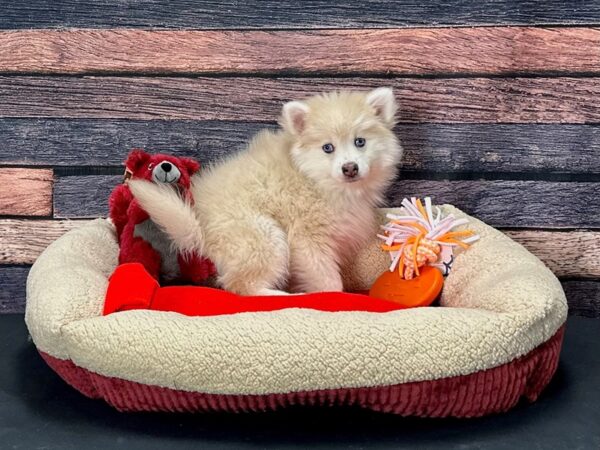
{"x":350,"y":170}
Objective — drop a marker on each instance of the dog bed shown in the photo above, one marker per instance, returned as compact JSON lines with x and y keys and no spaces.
{"x":495,"y":338}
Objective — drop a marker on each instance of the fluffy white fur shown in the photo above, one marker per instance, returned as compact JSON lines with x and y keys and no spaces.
{"x":281,"y":214}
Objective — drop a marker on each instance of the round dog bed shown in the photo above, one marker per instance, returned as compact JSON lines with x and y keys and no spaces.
{"x":495,"y":338}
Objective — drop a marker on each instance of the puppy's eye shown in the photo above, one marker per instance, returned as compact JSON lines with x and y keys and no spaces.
{"x":150,"y":166}
{"x":360,"y":142}
{"x":328,"y":148}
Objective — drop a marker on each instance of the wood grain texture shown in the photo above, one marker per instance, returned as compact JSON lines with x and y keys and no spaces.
{"x":22,"y":241}
{"x":106,"y":142}
{"x":503,"y":203}
{"x":423,"y":51}
{"x":481,"y":148}
{"x":290,"y":14}
{"x":583,"y":297}
{"x":567,"y":254}
{"x":499,"y":203}
{"x":83,"y":196}
{"x":454,"y":100}
{"x":12,"y":294}
{"x":573,"y":254}
{"x":492,"y":148}
{"x":26,"y":192}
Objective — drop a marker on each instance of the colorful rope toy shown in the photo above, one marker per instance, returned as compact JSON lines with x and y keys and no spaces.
{"x":419,"y":238}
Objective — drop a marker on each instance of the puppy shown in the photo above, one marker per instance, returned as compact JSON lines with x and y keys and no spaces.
{"x":291,"y":209}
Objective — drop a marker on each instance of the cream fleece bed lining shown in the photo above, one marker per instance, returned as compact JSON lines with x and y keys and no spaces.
{"x":501,"y":302}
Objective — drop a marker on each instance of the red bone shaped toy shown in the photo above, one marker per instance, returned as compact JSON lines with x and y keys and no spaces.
{"x":132,"y":287}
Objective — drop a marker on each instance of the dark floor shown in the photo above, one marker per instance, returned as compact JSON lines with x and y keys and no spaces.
{"x":38,"y":410}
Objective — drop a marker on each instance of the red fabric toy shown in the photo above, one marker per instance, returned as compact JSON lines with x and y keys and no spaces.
{"x":131,"y":287}
{"x":140,"y":239}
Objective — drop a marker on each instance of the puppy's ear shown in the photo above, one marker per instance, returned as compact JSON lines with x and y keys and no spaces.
{"x":293,"y":117}
{"x":136,"y":159}
{"x":191,"y":165}
{"x":383,"y":102}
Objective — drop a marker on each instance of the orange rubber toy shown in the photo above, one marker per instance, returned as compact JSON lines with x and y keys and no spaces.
{"x":415,"y":242}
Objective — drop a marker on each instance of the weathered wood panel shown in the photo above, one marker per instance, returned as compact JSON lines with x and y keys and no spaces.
{"x":583,"y":297}
{"x":291,"y":14}
{"x":453,"y":100}
{"x":83,"y":196}
{"x":499,"y":203}
{"x":568,"y":254}
{"x":542,"y":149}
{"x":423,"y":51}
{"x":12,"y":293}
{"x":493,"y":148}
{"x":567,"y":149}
{"x":573,"y":254}
{"x":22,"y":241}
{"x":106,"y":142}
{"x":540,"y":204}
{"x":26,"y":192}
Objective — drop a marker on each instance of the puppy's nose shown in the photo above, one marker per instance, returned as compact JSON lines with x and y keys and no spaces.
{"x":350,"y":169}
{"x":166,"y":166}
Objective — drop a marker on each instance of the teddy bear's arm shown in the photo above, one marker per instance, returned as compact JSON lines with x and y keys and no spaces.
{"x":195,"y":268}
{"x":137,"y":250}
{"x":118,"y":205}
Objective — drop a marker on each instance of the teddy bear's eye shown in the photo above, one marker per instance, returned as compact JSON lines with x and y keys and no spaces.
{"x":150,"y":166}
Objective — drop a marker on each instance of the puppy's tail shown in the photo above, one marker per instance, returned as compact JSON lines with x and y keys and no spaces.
{"x":171,"y":213}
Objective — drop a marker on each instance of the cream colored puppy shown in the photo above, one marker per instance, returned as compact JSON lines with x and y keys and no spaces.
{"x":289,"y":210}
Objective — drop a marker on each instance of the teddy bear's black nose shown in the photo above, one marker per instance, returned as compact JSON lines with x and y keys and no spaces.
{"x":166,"y":166}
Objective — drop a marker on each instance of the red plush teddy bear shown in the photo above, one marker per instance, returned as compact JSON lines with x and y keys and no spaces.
{"x":140,"y":239}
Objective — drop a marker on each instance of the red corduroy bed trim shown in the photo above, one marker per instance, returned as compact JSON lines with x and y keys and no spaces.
{"x":477,"y":394}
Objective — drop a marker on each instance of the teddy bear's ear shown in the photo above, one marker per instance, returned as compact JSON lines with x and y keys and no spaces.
{"x":191,"y":165}
{"x":136,"y":159}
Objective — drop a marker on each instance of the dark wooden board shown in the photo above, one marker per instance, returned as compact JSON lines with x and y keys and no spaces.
{"x":493,"y":148}
{"x":452,"y":100}
{"x":106,"y":142}
{"x":479,"y":148}
{"x":421,"y":51}
{"x":583,"y":297}
{"x":26,"y":192}
{"x":83,"y":196}
{"x":499,"y":203}
{"x":512,"y":203}
{"x":290,"y":14}
{"x":12,"y":293}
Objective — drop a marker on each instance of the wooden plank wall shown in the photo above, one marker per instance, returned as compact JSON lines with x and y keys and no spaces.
{"x":499,"y":110}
